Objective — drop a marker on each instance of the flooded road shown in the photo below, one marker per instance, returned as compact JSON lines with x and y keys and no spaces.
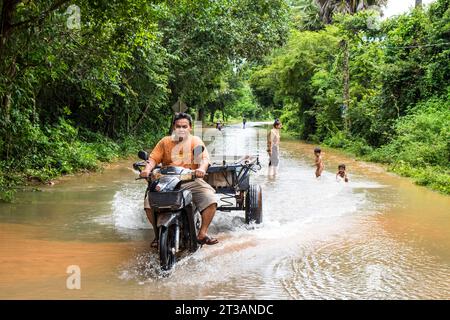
{"x":377,"y":237}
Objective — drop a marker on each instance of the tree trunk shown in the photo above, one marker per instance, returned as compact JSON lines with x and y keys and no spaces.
{"x":6,"y":13}
{"x":212,"y":114}
{"x":346,"y":83}
{"x":201,"y":114}
{"x":7,"y":10}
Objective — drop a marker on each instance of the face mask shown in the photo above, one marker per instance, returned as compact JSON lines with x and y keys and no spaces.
{"x":180,"y":132}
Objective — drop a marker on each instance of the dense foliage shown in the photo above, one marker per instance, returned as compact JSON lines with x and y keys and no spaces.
{"x":86,"y":81}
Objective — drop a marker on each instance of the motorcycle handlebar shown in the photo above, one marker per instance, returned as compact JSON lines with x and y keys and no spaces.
{"x":186,"y":176}
{"x":137,"y":165}
{"x":252,"y":162}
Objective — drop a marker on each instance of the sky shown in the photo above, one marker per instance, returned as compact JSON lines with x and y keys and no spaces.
{"x":395,"y":7}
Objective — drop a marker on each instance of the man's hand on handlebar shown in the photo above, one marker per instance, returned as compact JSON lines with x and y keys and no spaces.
{"x":148,"y":168}
{"x":200,"y":173}
{"x":143,"y":174}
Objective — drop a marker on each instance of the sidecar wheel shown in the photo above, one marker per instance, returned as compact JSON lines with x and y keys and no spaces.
{"x":253,"y":204}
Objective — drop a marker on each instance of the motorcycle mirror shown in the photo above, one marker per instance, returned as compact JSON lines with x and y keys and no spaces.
{"x":143,"y":155}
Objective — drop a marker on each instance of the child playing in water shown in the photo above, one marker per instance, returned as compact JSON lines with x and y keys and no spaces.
{"x":341,"y":173}
{"x":318,"y":162}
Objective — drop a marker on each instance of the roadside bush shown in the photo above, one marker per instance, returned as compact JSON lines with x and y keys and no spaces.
{"x":421,"y":138}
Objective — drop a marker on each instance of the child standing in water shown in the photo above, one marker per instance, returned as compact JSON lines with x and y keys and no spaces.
{"x":341,"y":173}
{"x":318,"y":162}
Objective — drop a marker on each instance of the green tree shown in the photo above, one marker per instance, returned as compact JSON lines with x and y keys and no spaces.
{"x":306,"y":15}
{"x":85,"y":81}
{"x":290,"y":73}
{"x":207,"y":38}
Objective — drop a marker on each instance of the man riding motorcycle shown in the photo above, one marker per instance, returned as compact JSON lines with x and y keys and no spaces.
{"x":178,"y":150}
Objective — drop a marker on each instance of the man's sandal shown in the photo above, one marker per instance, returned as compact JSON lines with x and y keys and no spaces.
{"x":207,"y":240}
{"x":154,"y":243}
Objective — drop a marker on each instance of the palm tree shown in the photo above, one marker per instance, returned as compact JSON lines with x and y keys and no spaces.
{"x":330,"y":7}
{"x":305,"y":14}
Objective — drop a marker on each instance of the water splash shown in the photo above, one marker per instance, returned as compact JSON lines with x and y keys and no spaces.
{"x":127,"y":208}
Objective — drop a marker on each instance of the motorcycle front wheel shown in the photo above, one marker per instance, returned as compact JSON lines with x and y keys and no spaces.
{"x":167,"y":250}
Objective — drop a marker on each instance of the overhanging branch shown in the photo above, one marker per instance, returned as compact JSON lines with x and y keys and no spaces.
{"x":41,"y":16}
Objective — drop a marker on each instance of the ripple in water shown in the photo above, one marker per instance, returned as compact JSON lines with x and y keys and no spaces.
{"x":379,"y":268}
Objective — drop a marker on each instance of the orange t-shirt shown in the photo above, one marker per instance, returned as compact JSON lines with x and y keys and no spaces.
{"x":172,"y":153}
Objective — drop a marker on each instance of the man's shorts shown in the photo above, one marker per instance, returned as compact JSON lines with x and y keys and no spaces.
{"x":203,"y":195}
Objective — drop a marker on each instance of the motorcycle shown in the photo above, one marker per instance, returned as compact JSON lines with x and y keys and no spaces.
{"x":176,"y":217}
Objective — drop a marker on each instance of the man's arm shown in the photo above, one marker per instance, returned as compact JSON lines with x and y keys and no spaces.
{"x":204,"y":163}
{"x":155,"y":157}
{"x":201,"y":171}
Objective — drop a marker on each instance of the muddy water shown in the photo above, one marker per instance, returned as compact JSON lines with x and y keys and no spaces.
{"x":378,"y":236}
